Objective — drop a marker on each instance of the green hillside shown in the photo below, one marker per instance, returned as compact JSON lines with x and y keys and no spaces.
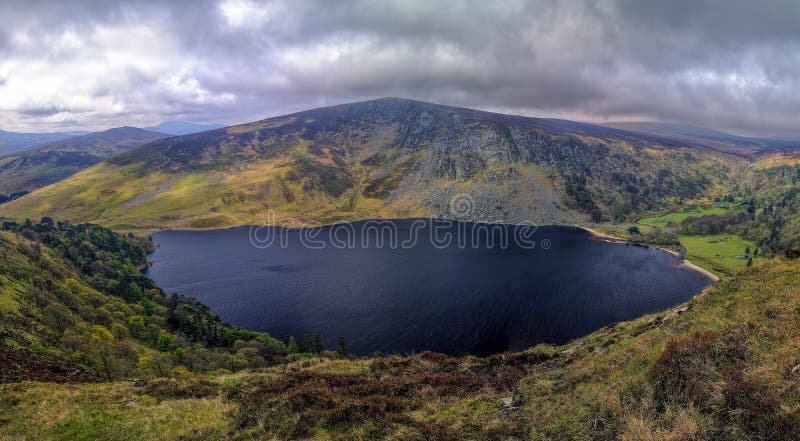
{"x":74,"y":306}
{"x":722,"y":366}
{"x":37,"y":167}
{"x":383,"y":158}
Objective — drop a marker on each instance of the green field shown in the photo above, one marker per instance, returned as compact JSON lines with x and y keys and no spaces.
{"x":678,"y":216}
{"x":719,"y":254}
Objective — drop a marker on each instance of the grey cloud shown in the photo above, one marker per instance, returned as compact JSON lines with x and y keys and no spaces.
{"x":41,"y":111}
{"x":727,"y":64}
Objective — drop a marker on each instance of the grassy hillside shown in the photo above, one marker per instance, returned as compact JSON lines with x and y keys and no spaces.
{"x":40,"y":166}
{"x":722,"y":366}
{"x":383,"y":158}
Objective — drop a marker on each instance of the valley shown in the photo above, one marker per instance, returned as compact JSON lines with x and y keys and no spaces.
{"x":399,"y":220}
{"x":77,"y":309}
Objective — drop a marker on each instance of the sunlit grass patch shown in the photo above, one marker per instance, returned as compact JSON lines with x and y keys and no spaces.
{"x":721,"y":254}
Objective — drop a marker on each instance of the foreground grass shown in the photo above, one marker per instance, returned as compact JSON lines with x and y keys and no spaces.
{"x":722,"y":254}
{"x":108,"y":412}
{"x":722,"y":366}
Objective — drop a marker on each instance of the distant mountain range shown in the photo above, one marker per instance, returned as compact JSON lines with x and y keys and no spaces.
{"x":13,"y":142}
{"x":701,"y":135}
{"x":32,"y":160}
{"x":182,"y":127}
{"x":36,"y":167}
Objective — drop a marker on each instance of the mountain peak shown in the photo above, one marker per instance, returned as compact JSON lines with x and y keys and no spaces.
{"x":182,"y":127}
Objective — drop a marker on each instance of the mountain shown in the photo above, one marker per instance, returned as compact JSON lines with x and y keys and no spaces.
{"x":389,"y":158}
{"x":742,"y":144}
{"x":12,"y":142}
{"x":724,"y":365}
{"x":183,"y":128}
{"x":39,"y":166}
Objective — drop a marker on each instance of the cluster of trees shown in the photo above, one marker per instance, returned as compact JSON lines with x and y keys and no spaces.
{"x":657,"y":236}
{"x":12,"y":196}
{"x":95,"y":308}
{"x":729,"y":223}
{"x":575,"y":186}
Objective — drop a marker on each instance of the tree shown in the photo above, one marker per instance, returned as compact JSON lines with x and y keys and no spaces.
{"x":137,"y":325}
{"x":340,"y":349}
{"x":153,"y":331}
{"x":747,"y":251}
{"x":164,"y":343}
{"x":749,"y":262}
{"x":292,"y":347}
{"x":155,"y":365}
{"x":312,"y":343}
{"x":101,"y":351}
{"x":634,"y":230}
{"x":755,"y":253}
{"x":119,"y":330}
{"x":58,"y":316}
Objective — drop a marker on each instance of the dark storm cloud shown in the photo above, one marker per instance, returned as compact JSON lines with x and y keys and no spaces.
{"x":732,"y":65}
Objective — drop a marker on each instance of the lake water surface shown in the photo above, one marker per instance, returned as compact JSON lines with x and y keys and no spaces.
{"x":475,"y":293}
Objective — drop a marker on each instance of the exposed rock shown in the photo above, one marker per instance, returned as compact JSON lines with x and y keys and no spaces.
{"x":572,"y":349}
{"x":673,"y":314}
{"x":511,"y":403}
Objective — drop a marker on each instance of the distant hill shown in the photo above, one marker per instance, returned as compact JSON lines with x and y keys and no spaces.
{"x":724,"y":140}
{"x":39,"y":166}
{"x":182,"y":128}
{"x":388,"y":158}
{"x":11,"y":142}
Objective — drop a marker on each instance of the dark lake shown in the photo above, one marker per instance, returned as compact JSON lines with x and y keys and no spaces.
{"x":458,"y":288}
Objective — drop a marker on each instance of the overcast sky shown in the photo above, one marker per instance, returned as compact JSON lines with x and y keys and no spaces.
{"x":732,"y":65}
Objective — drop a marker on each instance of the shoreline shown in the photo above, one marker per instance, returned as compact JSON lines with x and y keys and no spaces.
{"x":684,"y":261}
{"x":149,"y":231}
